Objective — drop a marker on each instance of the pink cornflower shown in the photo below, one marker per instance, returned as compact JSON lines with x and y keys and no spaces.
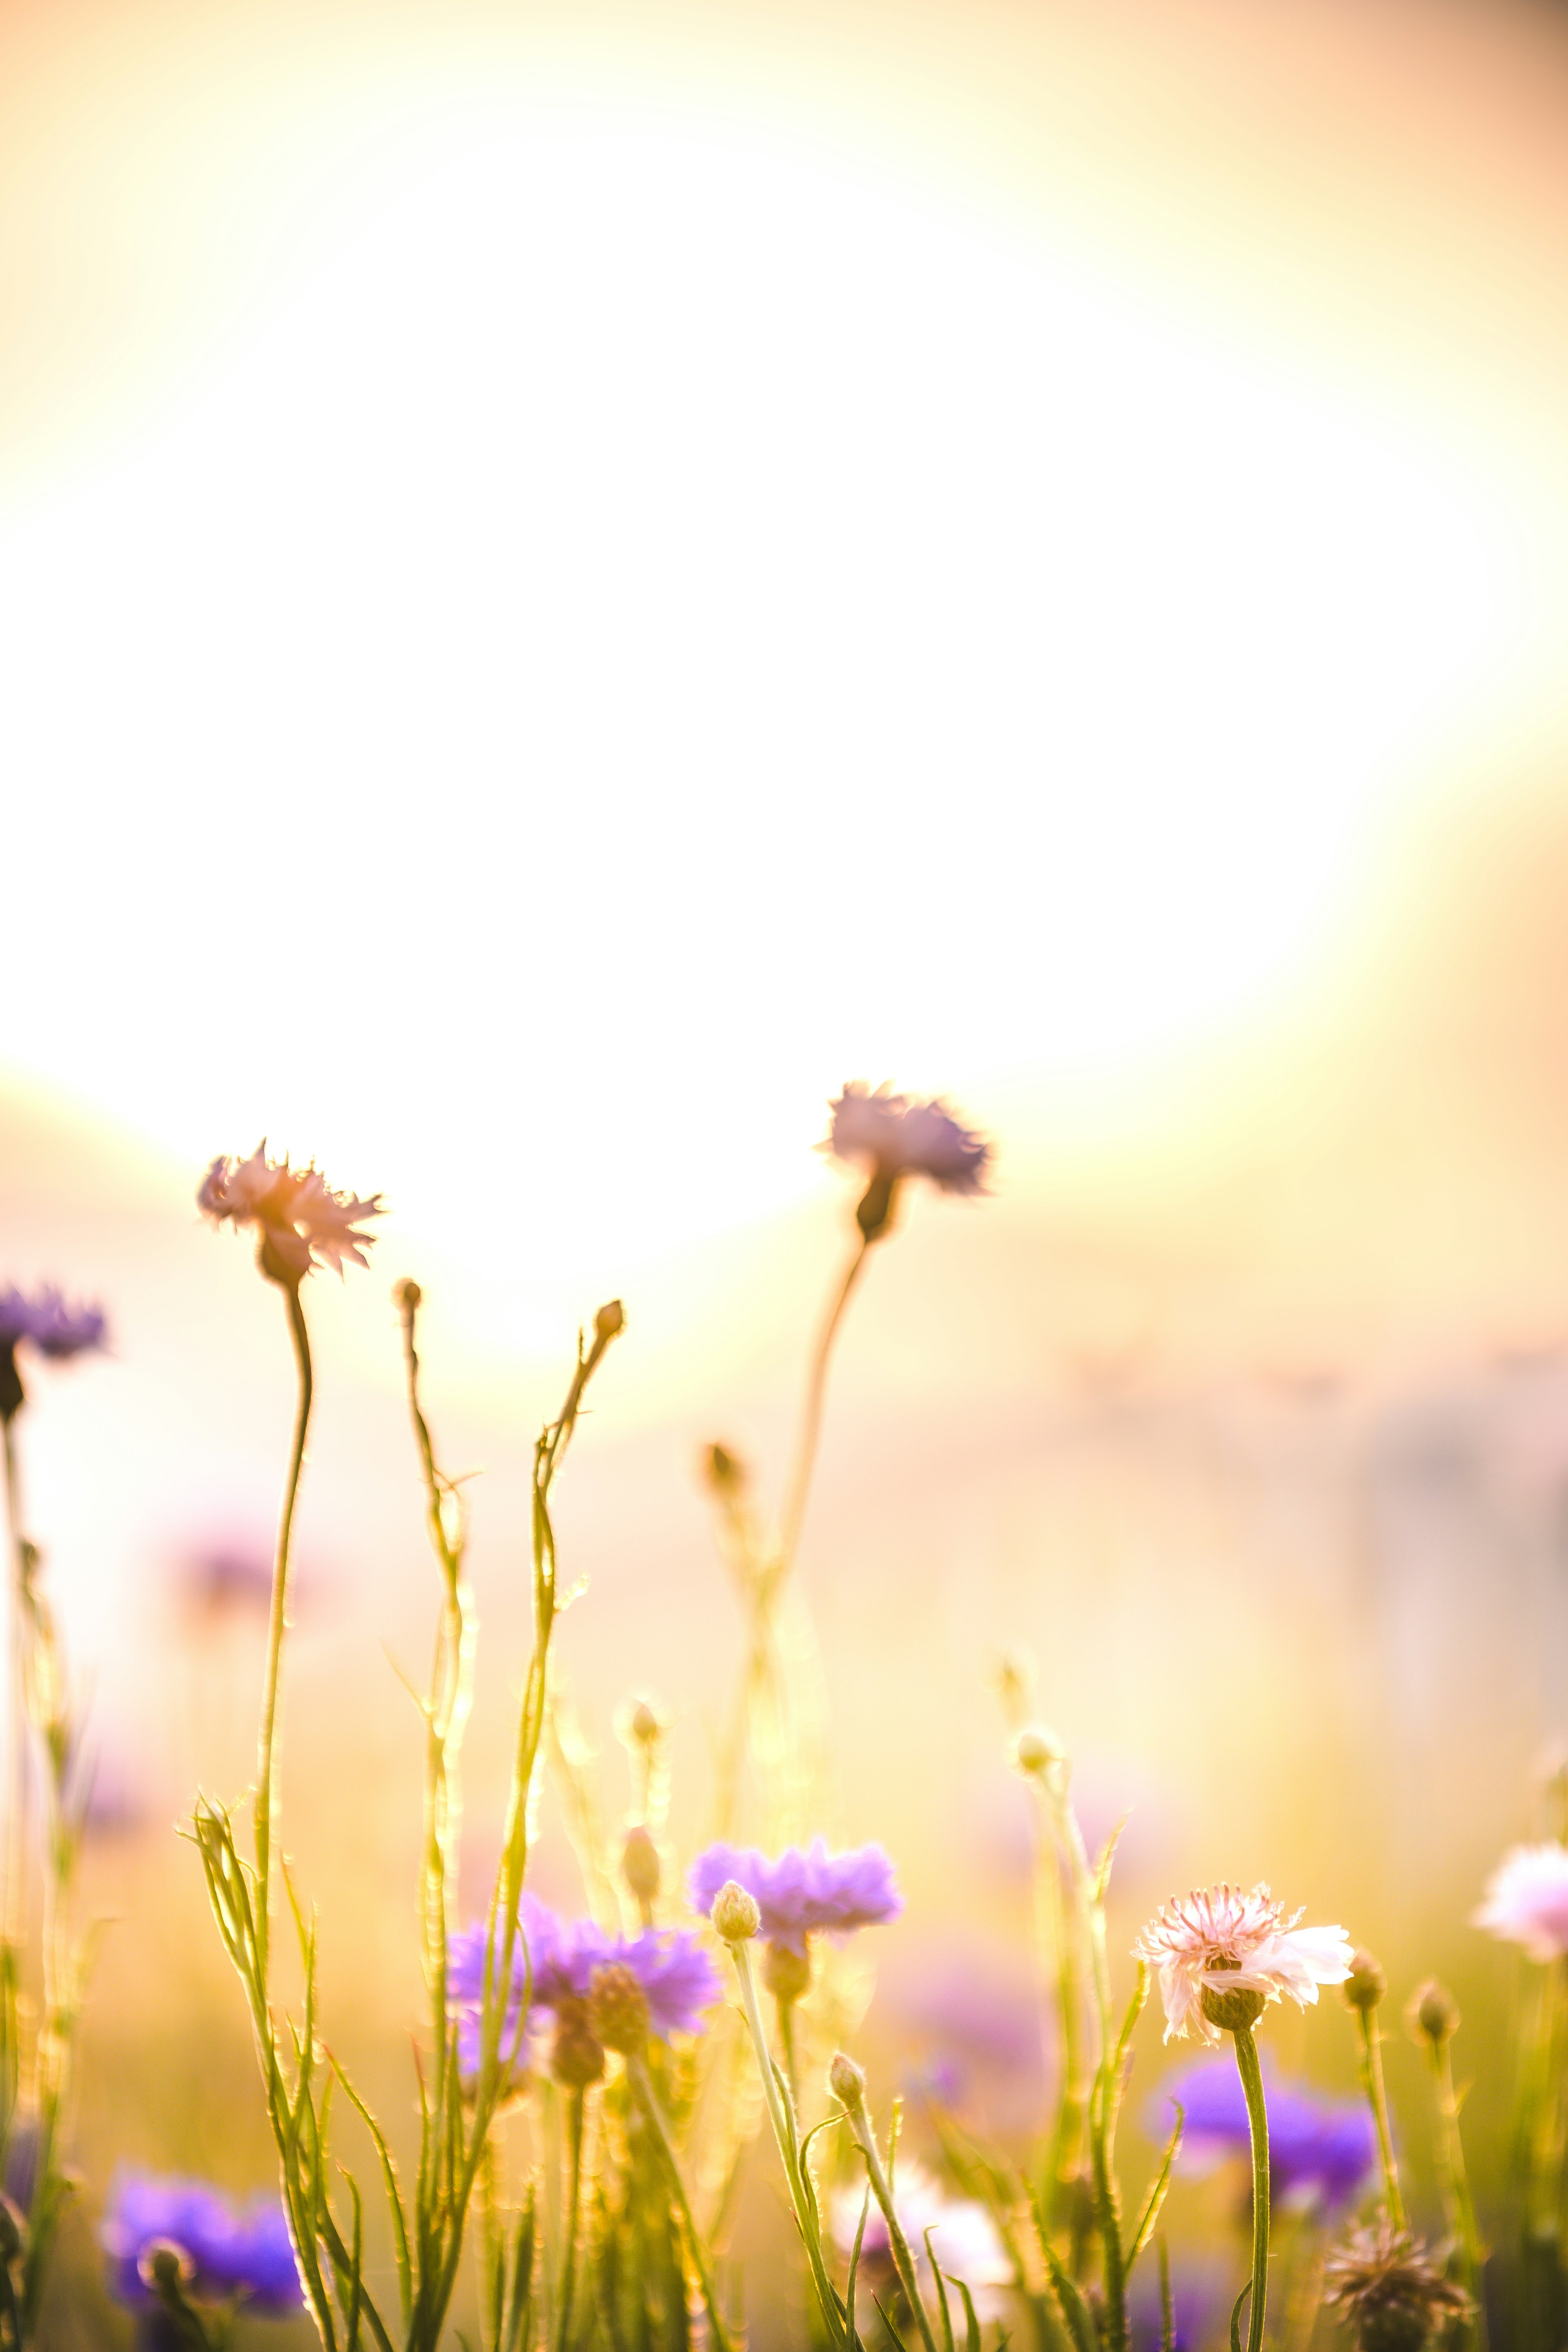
{"x":1527,"y":1900}
{"x":891,"y":1136}
{"x":300,"y":1217}
{"x":1222,"y":1941}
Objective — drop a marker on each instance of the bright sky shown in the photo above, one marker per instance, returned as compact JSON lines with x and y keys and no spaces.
{"x":657,"y":620}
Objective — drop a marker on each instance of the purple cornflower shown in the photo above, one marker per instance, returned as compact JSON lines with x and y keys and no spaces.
{"x":301,"y":1218}
{"x":802,"y":1892}
{"x":49,"y":1324}
{"x":554,"y":1964}
{"x":1321,"y":2151}
{"x":891,"y":1136}
{"x":236,"y":2252}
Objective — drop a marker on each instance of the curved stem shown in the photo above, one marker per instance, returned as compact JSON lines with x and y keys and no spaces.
{"x":811,"y":1417}
{"x":573,"y":2203}
{"x":898,"y":2245}
{"x":1258,"y":2117}
{"x":266,"y":1792}
{"x":787,"y":2134}
{"x":1377,"y":2099}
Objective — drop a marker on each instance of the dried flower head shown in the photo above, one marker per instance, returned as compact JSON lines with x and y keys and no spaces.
{"x":1526,"y":1900}
{"x":1391,"y":2292}
{"x":220,"y":2251}
{"x":1213,"y":1946}
{"x":802,"y":1892}
{"x":891,"y":1138}
{"x":298,"y":1217}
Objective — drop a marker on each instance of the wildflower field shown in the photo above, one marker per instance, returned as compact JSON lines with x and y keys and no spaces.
{"x":605,"y":2058}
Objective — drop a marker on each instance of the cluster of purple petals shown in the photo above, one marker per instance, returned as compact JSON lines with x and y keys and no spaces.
{"x":802,"y":1892}
{"x":1321,"y":2151}
{"x":555,"y":1960}
{"x":50,"y":1325}
{"x":236,"y":2251}
{"x":896,"y":1137}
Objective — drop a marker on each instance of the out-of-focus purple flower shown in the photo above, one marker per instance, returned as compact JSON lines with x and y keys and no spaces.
{"x":1321,"y":2152}
{"x":890,"y":1136}
{"x":49,"y":1324}
{"x":554,"y":1963}
{"x":237,"y":2252}
{"x":1527,"y":1900}
{"x":802,"y":1892}
{"x":301,"y":1218}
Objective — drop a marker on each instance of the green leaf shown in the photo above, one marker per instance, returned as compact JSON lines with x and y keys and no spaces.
{"x":1075,"y":2312}
{"x":948,"y":2342}
{"x":1156,"y":2196}
{"x":1236,"y":2318}
{"x":855,"y":2263}
{"x":971,"y":2321}
{"x":1107,"y":1856}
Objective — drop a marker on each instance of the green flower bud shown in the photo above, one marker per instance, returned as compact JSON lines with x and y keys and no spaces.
{"x":735,"y":1914}
{"x":618,"y":2008}
{"x":639,"y":1866}
{"x":577,"y":2058}
{"x":846,"y":2081}
{"x":610,"y":1321}
{"x":1366,"y":1986}
{"x":1431,"y":2014}
{"x":787,"y":1974}
{"x":1038,"y":1752}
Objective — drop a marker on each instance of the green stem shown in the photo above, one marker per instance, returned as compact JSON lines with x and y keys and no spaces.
{"x":266,"y":1788}
{"x":785,"y":2011}
{"x":647,"y":2099}
{"x":1258,"y":2117}
{"x":898,"y":2245}
{"x":1377,"y":2099}
{"x":1458,"y":2207}
{"x":811,"y":1417}
{"x":787,"y":2134}
{"x":12,"y":1919}
{"x":573,"y":2202}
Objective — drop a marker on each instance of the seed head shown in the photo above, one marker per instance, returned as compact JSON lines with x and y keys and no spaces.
{"x":735,"y":1914}
{"x":1391,"y":2292}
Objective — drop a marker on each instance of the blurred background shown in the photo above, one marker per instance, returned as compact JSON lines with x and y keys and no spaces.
{"x":572,"y":577}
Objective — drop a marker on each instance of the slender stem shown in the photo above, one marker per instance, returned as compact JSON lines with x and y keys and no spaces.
{"x":898,"y":2245}
{"x":1458,"y":2207}
{"x":573,"y":2204}
{"x":1377,"y":2099}
{"x":785,"y":2011}
{"x":267,"y":1787}
{"x":637,"y":2072}
{"x":1258,"y":2117}
{"x":811,"y":1415}
{"x":786,"y":2132}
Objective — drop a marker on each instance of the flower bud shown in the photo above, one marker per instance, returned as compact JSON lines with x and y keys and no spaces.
{"x":787,"y":1974}
{"x":639,"y":1866}
{"x":618,"y":2008}
{"x":1037,"y":1751}
{"x":724,"y":1471}
{"x":610,"y":1321}
{"x":1365,"y":1986}
{"x":577,"y":2058}
{"x":735,"y":1914}
{"x":846,"y":2081}
{"x":164,"y":2266}
{"x":1431,"y":2014}
{"x":875,"y":1214}
{"x":407,"y":1296}
{"x":643,"y":1723}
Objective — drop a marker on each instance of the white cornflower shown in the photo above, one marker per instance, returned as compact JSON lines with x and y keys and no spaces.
{"x":1223,"y":1942}
{"x":962,"y":2232}
{"x":301,"y":1218}
{"x":1527,"y":1900}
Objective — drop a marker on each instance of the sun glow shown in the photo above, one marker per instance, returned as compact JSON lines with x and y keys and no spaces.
{"x":656,"y":626}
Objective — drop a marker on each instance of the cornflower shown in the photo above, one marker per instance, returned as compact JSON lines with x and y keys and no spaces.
{"x":1222,"y":1957}
{"x":229,"y":2254}
{"x":300,"y":1217}
{"x":1210,"y":1947}
{"x":1321,"y":2152}
{"x":893,"y":1138}
{"x":962,"y":2232}
{"x":1526,"y":1900}
{"x":553,"y":1968}
{"x":46,"y":1323}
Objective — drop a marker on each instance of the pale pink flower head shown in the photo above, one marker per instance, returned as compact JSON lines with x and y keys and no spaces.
{"x":1224,"y":1942}
{"x":298,"y":1217}
{"x":1527,"y":1900}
